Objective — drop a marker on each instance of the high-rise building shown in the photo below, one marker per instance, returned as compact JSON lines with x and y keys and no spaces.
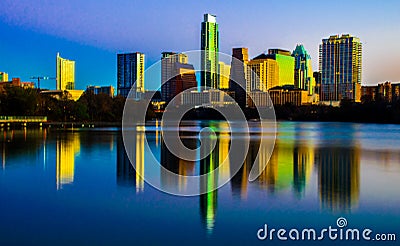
{"x":224,"y":73}
{"x":3,"y":77}
{"x":262,"y":73}
{"x":130,"y":72}
{"x":65,"y":70}
{"x":340,"y":67}
{"x":303,"y":73}
{"x":286,"y":65}
{"x":176,"y":75}
{"x":209,"y":47}
{"x":168,"y":71}
{"x":238,"y":74}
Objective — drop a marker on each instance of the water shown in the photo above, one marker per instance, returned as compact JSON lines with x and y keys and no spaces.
{"x":78,"y":187}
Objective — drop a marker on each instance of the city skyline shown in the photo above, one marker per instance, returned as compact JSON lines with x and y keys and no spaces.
{"x":47,"y":37}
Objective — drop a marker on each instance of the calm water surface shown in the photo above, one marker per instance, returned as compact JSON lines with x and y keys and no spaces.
{"x":77,"y":187}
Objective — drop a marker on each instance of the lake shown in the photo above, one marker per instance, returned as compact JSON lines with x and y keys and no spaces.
{"x":78,"y":187}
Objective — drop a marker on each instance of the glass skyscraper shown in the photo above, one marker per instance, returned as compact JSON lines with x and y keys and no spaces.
{"x":303,"y":73}
{"x":130,"y":69}
{"x":209,"y":47}
{"x":340,"y":67}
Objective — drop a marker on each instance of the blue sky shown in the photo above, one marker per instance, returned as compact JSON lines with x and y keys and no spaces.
{"x":92,"y":32}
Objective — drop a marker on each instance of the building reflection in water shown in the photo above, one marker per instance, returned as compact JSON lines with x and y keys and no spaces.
{"x":208,"y":184}
{"x":303,"y":163}
{"x":338,"y":177}
{"x":127,"y":175}
{"x":176,"y":165}
{"x":67,"y":146}
{"x":14,"y":141}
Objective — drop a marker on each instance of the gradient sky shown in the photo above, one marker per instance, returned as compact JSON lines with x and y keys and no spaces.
{"x":92,"y":32}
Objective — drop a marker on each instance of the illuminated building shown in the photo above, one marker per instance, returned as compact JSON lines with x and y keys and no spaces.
{"x":209,"y":52}
{"x":340,"y":66}
{"x":16,"y":82}
{"x":224,"y":73}
{"x":3,"y":77}
{"x":238,"y":74}
{"x":206,"y":98}
{"x":168,"y":71}
{"x":290,"y":95}
{"x":130,"y":74}
{"x":286,"y":65}
{"x":184,"y":78}
{"x":259,"y":99}
{"x":65,"y":70}
{"x":383,"y":92}
{"x":303,"y":73}
{"x":108,"y":90}
{"x":262,"y":74}
{"x":67,"y":147}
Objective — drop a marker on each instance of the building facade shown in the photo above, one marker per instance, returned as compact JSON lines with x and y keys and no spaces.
{"x":3,"y":77}
{"x":65,"y":71}
{"x":130,"y":74}
{"x":303,"y":73}
{"x":209,"y":55}
{"x":262,"y":73}
{"x":108,"y":90}
{"x":383,"y":92}
{"x":238,"y":74}
{"x":286,"y":65}
{"x":169,"y":61}
{"x":340,"y":66}
{"x":16,"y":82}
{"x":224,"y":73}
{"x":290,"y":95}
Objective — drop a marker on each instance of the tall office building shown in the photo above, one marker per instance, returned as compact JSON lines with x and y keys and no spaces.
{"x":130,"y":72}
{"x":237,"y":80}
{"x":340,"y":67}
{"x":224,"y":73}
{"x":286,"y":65}
{"x":262,"y":73}
{"x":3,"y":77}
{"x":65,"y":70}
{"x":209,"y":47}
{"x":303,"y":73}
{"x":168,"y":72}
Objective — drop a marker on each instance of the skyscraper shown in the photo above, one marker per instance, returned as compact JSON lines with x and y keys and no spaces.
{"x":237,"y":80}
{"x":263,"y":73}
{"x":286,"y":65}
{"x":303,"y":73}
{"x":65,"y":70}
{"x":224,"y":73}
{"x":130,"y":72}
{"x":209,"y":47}
{"x":168,"y":71}
{"x":340,"y":67}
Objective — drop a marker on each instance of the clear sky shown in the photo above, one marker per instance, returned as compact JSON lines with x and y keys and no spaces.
{"x":92,"y":32}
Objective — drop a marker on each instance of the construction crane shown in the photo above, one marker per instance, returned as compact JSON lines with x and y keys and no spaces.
{"x":41,"y":78}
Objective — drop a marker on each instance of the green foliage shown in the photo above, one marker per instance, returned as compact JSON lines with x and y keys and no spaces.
{"x":89,"y":108}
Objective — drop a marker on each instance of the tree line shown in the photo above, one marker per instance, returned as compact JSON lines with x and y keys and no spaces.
{"x":17,"y":101}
